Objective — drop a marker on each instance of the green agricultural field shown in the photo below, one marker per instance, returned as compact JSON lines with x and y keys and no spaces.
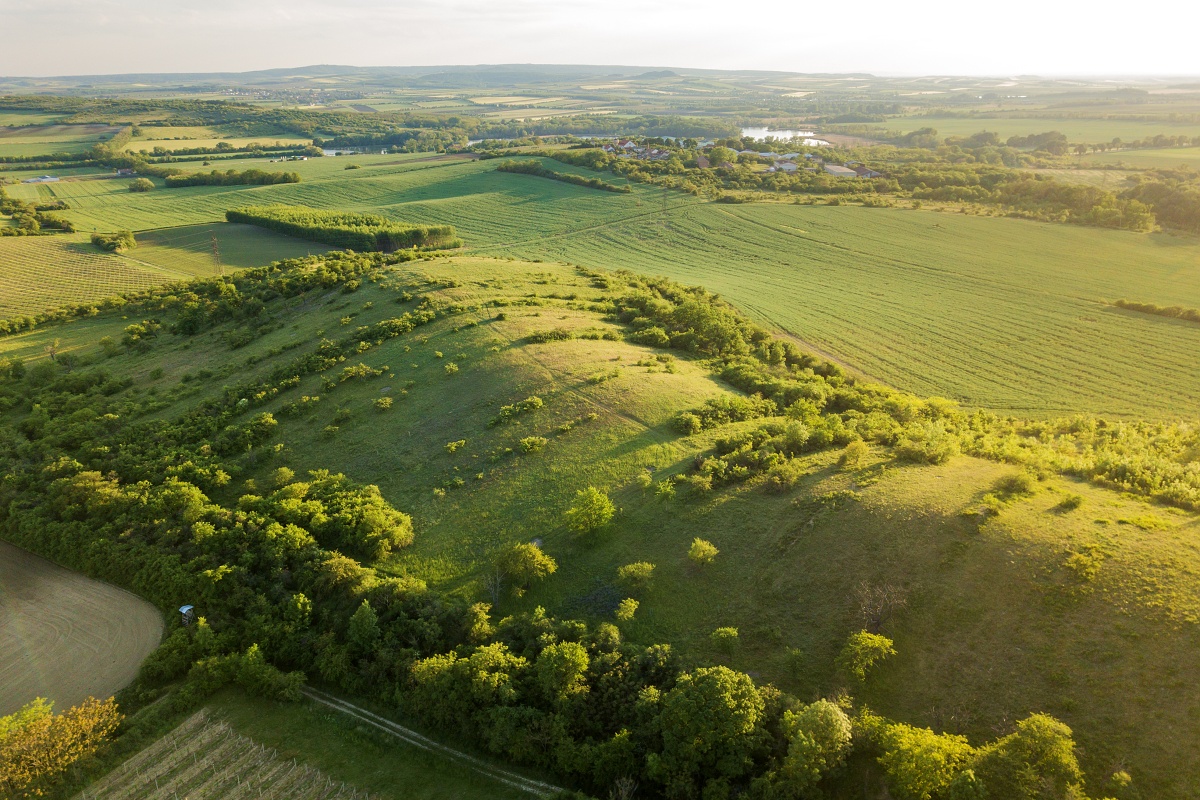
{"x":1166,"y":158}
{"x":1070,"y":611}
{"x":39,"y":273}
{"x":189,"y":249}
{"x":998,"y":313}
{"x":15,"y":118}
{"x":1076,"y":130}
{"x":147,"y":144}
{"x":45,"y":139}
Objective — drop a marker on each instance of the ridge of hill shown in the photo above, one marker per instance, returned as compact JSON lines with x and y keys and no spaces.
{"x":1007,"y":588}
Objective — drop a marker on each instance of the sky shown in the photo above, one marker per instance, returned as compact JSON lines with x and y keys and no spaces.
{"x":885,"y":37}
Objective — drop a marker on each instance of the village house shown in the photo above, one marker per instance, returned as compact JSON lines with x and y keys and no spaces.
{"x":838,"y":171}
{"x":863,"y":171}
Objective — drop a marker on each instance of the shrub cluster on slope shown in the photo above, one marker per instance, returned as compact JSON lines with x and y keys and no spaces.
{"x":362,"y":232}
{"x":813,"y":404}
{"x":117,"y":242}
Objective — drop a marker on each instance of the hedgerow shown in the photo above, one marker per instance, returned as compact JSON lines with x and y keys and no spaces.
{"x":362,"y":232}
{"x":248,"y":177}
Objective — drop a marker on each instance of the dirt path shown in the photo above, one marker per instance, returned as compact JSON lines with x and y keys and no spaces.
{"x":417,"y":740}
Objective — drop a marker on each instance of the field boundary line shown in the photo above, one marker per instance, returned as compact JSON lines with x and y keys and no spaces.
{"x":410,"y":736}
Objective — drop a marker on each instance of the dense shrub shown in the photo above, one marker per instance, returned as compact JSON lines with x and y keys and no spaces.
{"x":362,"y":232}
{"x":249,"y":177}
{"x":117,"y":242}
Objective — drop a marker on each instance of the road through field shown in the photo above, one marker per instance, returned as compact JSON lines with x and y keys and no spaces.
{"x":64,"y":636}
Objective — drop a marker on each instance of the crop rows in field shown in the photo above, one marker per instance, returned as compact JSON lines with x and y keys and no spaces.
{"x":1002,"y":314}
{"x":203,"y":758}
{"x":39,"y":273}
{"x":1159,"y":158}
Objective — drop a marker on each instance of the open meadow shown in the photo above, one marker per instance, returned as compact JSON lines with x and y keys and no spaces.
{"x":1165,"y":158}
{"x":54,"y":621}
{"x":35,"y":139}
{"x":189,"y":249}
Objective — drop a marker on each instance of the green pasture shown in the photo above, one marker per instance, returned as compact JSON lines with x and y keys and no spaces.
{"x":1038,"y":609}
{"x":1076,"y":130}
{"x":1003,"y":314}
{"x":20,"y":118}
{"x":39,"y":273}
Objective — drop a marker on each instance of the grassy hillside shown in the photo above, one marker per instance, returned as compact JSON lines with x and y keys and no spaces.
{"x":1003,"y":314}
{"x":1084,"y":608}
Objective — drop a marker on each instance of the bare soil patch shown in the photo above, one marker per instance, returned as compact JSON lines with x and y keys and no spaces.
{"x":64,"y":636}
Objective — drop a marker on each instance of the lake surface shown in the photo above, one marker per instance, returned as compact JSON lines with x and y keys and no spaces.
{"x":760,"y":134}
{"x":64,"y":636}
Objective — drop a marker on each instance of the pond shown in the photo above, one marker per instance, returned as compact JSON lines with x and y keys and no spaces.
{"x":759,"y":134}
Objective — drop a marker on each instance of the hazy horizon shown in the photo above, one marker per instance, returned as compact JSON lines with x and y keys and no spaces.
{"x":113,"y":37}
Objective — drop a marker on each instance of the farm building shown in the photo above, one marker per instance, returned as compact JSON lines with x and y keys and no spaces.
{"x":702,"y":162}
{"x":42,"y":179}
{"x":866,"y":172}
{"x":838,"y":171}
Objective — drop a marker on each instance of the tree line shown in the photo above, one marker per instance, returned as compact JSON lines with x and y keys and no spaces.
{"x":33,"y":219}
{"x":533,"y":167}
{"x":246,"y":177}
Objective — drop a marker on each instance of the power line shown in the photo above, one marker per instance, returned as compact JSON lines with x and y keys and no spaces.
{"x":217,"y":256}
